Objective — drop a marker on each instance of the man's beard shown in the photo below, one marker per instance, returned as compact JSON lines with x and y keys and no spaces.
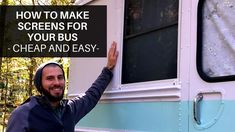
{"x":52,"y":98}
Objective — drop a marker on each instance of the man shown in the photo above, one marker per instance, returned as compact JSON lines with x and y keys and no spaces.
{"x":49,"y":112}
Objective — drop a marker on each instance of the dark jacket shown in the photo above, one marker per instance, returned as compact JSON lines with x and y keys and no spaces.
{"x":36,"y":114}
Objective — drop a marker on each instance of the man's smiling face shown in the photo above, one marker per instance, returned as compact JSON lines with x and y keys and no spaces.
{"x":53,"y":82}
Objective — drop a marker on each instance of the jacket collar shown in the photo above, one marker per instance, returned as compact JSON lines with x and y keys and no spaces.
{"x":43,"y":101}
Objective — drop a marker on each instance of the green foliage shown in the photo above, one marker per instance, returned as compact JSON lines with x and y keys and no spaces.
{"x":60,"y":2}
{"x":2,"y":85}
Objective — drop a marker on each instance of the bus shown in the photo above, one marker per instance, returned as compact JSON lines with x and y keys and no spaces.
{"x":175,"y":70}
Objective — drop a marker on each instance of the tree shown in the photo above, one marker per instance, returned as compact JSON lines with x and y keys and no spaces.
{"x":5,"y":89}
{"x":2,"y":24}
{"x":31,"y":68}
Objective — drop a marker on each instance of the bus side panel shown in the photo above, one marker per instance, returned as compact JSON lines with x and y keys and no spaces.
{"x":136,"y":116}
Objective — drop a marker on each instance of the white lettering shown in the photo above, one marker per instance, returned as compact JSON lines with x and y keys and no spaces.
{"x":41,"y":37}
{"x":59,"y":48}
{"x":77,"y":25}
{"x":28,"y":15}
{"x":84,"y":48}
{"x":28,"y":48}
{"x":74,"y":15}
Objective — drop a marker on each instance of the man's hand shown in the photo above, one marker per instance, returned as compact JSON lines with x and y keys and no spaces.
{"x":112,"y":56}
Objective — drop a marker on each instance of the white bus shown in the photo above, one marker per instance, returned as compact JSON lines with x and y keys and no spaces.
{"x":175,"y":71}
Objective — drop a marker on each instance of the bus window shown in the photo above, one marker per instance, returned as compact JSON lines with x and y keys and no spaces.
{"x":150,"y":40}
{"x":216,"y":40}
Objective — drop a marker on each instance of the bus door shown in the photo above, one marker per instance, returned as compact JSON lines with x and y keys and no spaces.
{"x":212,"y":66}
